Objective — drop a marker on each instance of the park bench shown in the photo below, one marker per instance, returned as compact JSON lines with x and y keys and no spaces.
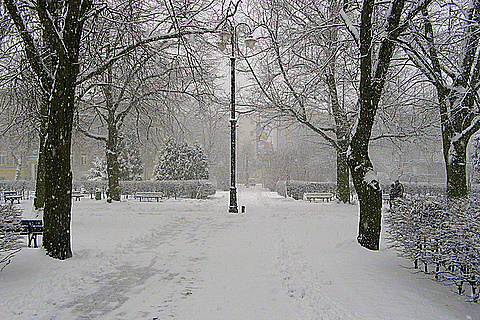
{"x":12,"y":196}
{"x":386,"y":199}
{"x":149,"y":195}
{"x":31,"y":228}
{"x":324,"y":196}
{"x":77,"y":195}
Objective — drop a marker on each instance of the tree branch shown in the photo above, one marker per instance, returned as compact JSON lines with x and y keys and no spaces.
{"x":34,"y":57}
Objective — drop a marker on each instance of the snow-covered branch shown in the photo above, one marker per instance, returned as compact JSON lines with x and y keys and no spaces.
{"x":350,"y":27}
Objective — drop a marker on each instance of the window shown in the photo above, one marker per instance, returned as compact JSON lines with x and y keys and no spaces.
{"x":83,"y":160}
{"x":3,"y":160}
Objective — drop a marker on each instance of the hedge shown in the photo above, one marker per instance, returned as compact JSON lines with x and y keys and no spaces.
{"x":296,"y":189}
{"x":195,"y":189}
{"x":17,"y":185}
{"x":440,"y":235}
{"x":10,"y":217}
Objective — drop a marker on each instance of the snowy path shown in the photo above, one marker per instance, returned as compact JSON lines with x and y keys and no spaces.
{"x":189,"y":259}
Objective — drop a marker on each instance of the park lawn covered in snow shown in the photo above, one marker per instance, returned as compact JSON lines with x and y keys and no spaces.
{"x":190,"y":259}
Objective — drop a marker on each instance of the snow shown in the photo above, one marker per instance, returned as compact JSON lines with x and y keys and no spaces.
{"x":190,"y":259}
{"x":351,"y":28}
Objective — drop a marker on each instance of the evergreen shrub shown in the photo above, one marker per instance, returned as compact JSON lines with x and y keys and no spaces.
{"x":179,"y":161}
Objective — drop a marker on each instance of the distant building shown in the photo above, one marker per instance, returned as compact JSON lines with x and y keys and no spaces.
{"x":16,"y":165}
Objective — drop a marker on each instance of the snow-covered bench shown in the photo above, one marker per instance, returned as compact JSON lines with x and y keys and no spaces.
{"x":31,"y":228}
{"x":149,"y":195}
{"x":77,"y":195}
{"x":12,"y":196}
{"x":324,"y":196}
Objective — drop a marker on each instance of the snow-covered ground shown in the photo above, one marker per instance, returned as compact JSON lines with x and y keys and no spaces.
{"x":190,"y":259}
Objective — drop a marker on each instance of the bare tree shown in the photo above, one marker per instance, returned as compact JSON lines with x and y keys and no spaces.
{"x":19,"y":87}
{"x":139,"y":84}
{"x":375,"y":58}
{"x":444,"y":46}
{"x":62,"y":25}
{"x":57,"y":68}
{"x":307,"y":73}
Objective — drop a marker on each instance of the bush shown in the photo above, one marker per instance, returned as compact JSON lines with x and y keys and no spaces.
{"x":296,"y":189}
{"x":195,"y":189}
{"x":179,"y":161}
{"x":428,"y":189}
{"x":441,"y":233}
{"x":10,"y":217}
{"x":17,"y":185}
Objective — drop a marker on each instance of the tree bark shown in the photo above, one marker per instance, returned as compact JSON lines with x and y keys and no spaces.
{"x":39,"y":201}
{"x":58,"y":186}
{"x":341,"y":134}
{"x":457,"y":174}
{"x":457,"y":129}
{"x":343,"y":178}
{"x":113,"y":170}
{"x":370,"y":220}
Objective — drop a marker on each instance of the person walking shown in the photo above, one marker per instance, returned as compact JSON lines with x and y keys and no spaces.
{"x":392,"y":191}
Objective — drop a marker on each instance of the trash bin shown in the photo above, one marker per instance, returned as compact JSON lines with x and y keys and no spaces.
{"x":98,"y":195}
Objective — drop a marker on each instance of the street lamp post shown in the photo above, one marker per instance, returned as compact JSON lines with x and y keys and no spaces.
{"x":231,"y":35}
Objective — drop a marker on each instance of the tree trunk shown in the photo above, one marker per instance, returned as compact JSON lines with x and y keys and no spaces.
{"x":372,"y":82}
{"x":18,"y":167}
{"x":456,"y":170}
{"x":343,"y":178}
{"x":370,"y":199}
{"x":341,"y":133}
{"x":58,"y":186}
{"x":370,"y":221}
{"x":455,"y":150}
{"x":113,"y":170}
{"x":39,"y":201}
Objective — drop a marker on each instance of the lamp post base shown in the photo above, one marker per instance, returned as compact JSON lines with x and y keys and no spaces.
{"x":233,"y":200}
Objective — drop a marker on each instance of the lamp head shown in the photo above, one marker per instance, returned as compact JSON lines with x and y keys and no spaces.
{"x":225,"y":37}
{"x":221,"y":45}
{"x":250,"y":42}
